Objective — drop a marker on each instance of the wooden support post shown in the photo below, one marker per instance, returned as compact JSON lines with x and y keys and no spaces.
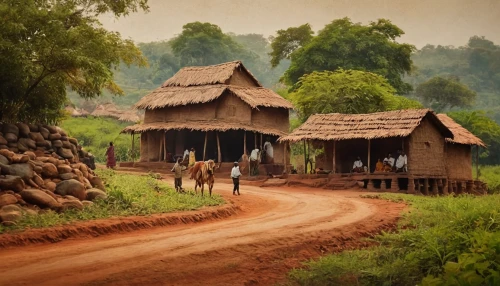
{"x":445,"y":187}
{"x":426,"y":187}
{"x":477,"y":162}
{"x":148,"y":137}
{"x":244,"y":142}
{"x":255,"y":140}
{"x":219,"y":155}
{"x":417,"y":187}
{"x":261,"y":147}
{"x":434,"y":187}
{"x":159,"y":151}
{"x":284,"y":155}
{"x":165,"y":146}
{"x":394,"y":184}
{"x":383,"y":185}
{"x":369,"y":145}
{"x":305,"y":158}
{"x":205,"y":145}
{"x":333,"y":165}
{"x":132,"y":152}
{"x":411,"y":186}
{"x":370,"y":186}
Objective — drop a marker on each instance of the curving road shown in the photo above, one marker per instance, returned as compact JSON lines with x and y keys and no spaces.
{"x":271,"y":218}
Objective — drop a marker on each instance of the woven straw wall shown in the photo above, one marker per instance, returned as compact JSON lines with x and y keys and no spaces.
{"x":458,"y":161}
{"x":239,"y":78}
{"x":269,"y":116}
{"x":233,"y":109}
{"x":426,"y":151}
{"x":144,"y":148}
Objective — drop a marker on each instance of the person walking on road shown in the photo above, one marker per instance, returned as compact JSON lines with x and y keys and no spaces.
{"x":177,"y":169}
{"x":235,"y":175}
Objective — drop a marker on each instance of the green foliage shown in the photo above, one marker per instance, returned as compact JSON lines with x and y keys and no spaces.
{"x":47,"y":46}
{"x":445,"y":93}
{"x":287,"y":41}
{"x":479,"y":124}
{"x":346,"y":45}
{"x":128,"y":195}
{"x":346,"y":91}
{"x":95,"y":133}
{"x":491,"y":176}
{"x":440,"y":241}
{"x":202,"y":44}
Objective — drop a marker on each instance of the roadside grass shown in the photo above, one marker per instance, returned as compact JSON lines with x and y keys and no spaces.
{"x":128,"y":195}
{"x":440,"y":241}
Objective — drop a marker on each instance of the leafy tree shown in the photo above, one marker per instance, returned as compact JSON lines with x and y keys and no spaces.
{"x":346,"y":45}
{"x":445,"y":93}
{"x":481,"y":125}
{"x":49,"y":45}
{"x":346,"y":91}
{"x":288,"y":41}
{"x":202,"y":44}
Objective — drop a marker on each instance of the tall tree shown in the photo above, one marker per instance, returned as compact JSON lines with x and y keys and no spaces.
{"x":445,"y":93}
{"x":202,"y":44}
{"x":346,"y":91}
{"x":344,"y":44}
{"x":49,"y":45}
{"x":288,"y":41}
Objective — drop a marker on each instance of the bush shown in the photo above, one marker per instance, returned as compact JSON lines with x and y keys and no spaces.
{"x":491,"y":176}
{"x":128,"y":195}
{"x":95,"y":133}
{"x":440,"y":241}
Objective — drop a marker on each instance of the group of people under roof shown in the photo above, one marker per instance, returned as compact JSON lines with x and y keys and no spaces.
{"x":389,"y":164}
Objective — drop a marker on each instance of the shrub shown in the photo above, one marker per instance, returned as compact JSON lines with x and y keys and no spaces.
{"x":440,"y":241}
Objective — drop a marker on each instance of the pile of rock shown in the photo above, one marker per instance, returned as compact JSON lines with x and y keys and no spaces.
{"x":40,"y":169}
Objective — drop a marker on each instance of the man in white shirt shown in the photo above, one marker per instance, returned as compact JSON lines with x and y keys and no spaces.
{"x":268,"y":147}
{"x":235,"y":175}
{"x":186,"y":155}
{"x":388,"y":163}
{"x":402,"y":163}
{"x":254,"y":161}
{"x":358,"y":166}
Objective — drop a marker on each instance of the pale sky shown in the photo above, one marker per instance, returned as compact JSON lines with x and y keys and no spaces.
{"x":444,"y":22}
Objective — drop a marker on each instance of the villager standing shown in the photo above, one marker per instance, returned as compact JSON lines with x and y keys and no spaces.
{"x":254,"y":162}
{"x":177,"y":169}
{"x":110,"y":156}
{"x":268,"y":147}
{"x":192,"y":157}
{"x":235,"y":175}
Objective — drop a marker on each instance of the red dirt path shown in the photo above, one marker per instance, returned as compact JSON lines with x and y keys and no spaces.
{"x":275,"y":229}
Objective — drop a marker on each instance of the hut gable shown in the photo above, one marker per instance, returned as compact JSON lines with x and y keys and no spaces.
{"x":336,"y":126}
{"x":460,"y":134}
{"x":195,"y":85}
{"x":233,"y":73}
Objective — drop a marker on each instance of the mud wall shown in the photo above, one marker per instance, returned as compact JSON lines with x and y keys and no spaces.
{"x":458,"y":161}
{"x":241,"y":78}
{"x":425,"y":153}
{"x":271,"y":117}
{"x":233,"y":109}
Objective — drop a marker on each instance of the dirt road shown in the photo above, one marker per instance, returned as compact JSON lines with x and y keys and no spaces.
{"x":276,"y":229}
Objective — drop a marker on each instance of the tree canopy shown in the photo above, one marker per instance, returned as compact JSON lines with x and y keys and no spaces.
{"x":47,"y":46}
{"x":481,"y":125}
{"x":346,"y":91}
{"x":288,"y":41}
{"x":445,"y":93}
{"x":347,"y":45}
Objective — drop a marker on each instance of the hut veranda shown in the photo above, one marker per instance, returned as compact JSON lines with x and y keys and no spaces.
{"x":438,"y":150}
{"x":221,"y":111}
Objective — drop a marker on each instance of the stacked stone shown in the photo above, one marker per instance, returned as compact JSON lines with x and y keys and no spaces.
{"x":40,"y":170}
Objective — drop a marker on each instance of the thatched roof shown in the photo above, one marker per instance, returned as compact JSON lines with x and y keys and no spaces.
{"x":336,"y":126}
{"x":176,"y":96}
{"x":76,"y":112}
{"x":207,"y":75}
{"x":130,"y":116}
{"x":460,"y":134}
{"x":212,"y":125}
{"x":106,"y":110}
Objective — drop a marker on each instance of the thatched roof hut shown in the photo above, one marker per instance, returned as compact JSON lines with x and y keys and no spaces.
{"x":459,"y":150}
{"x":200,"y":106}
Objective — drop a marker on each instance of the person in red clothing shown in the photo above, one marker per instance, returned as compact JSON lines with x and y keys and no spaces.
{"x":110,"y":156}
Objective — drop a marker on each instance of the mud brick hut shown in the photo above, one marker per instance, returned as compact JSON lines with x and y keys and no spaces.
{"x":222,"y":111}
{"x":419,"y":133}
{"x":459,"y":154}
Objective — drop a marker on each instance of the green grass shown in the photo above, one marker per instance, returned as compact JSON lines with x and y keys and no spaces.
{"x":95,"y":133}
{"x":128,"y":195}
{"x":491,"y":176}
{"x":440,"y":241}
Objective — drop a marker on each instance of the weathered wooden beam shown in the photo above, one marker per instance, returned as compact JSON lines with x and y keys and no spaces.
{"x":205,"y":145}
{"x":219,"y":155}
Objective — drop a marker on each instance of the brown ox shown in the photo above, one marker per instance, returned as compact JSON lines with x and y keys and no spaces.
{"x":203,"y":173}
